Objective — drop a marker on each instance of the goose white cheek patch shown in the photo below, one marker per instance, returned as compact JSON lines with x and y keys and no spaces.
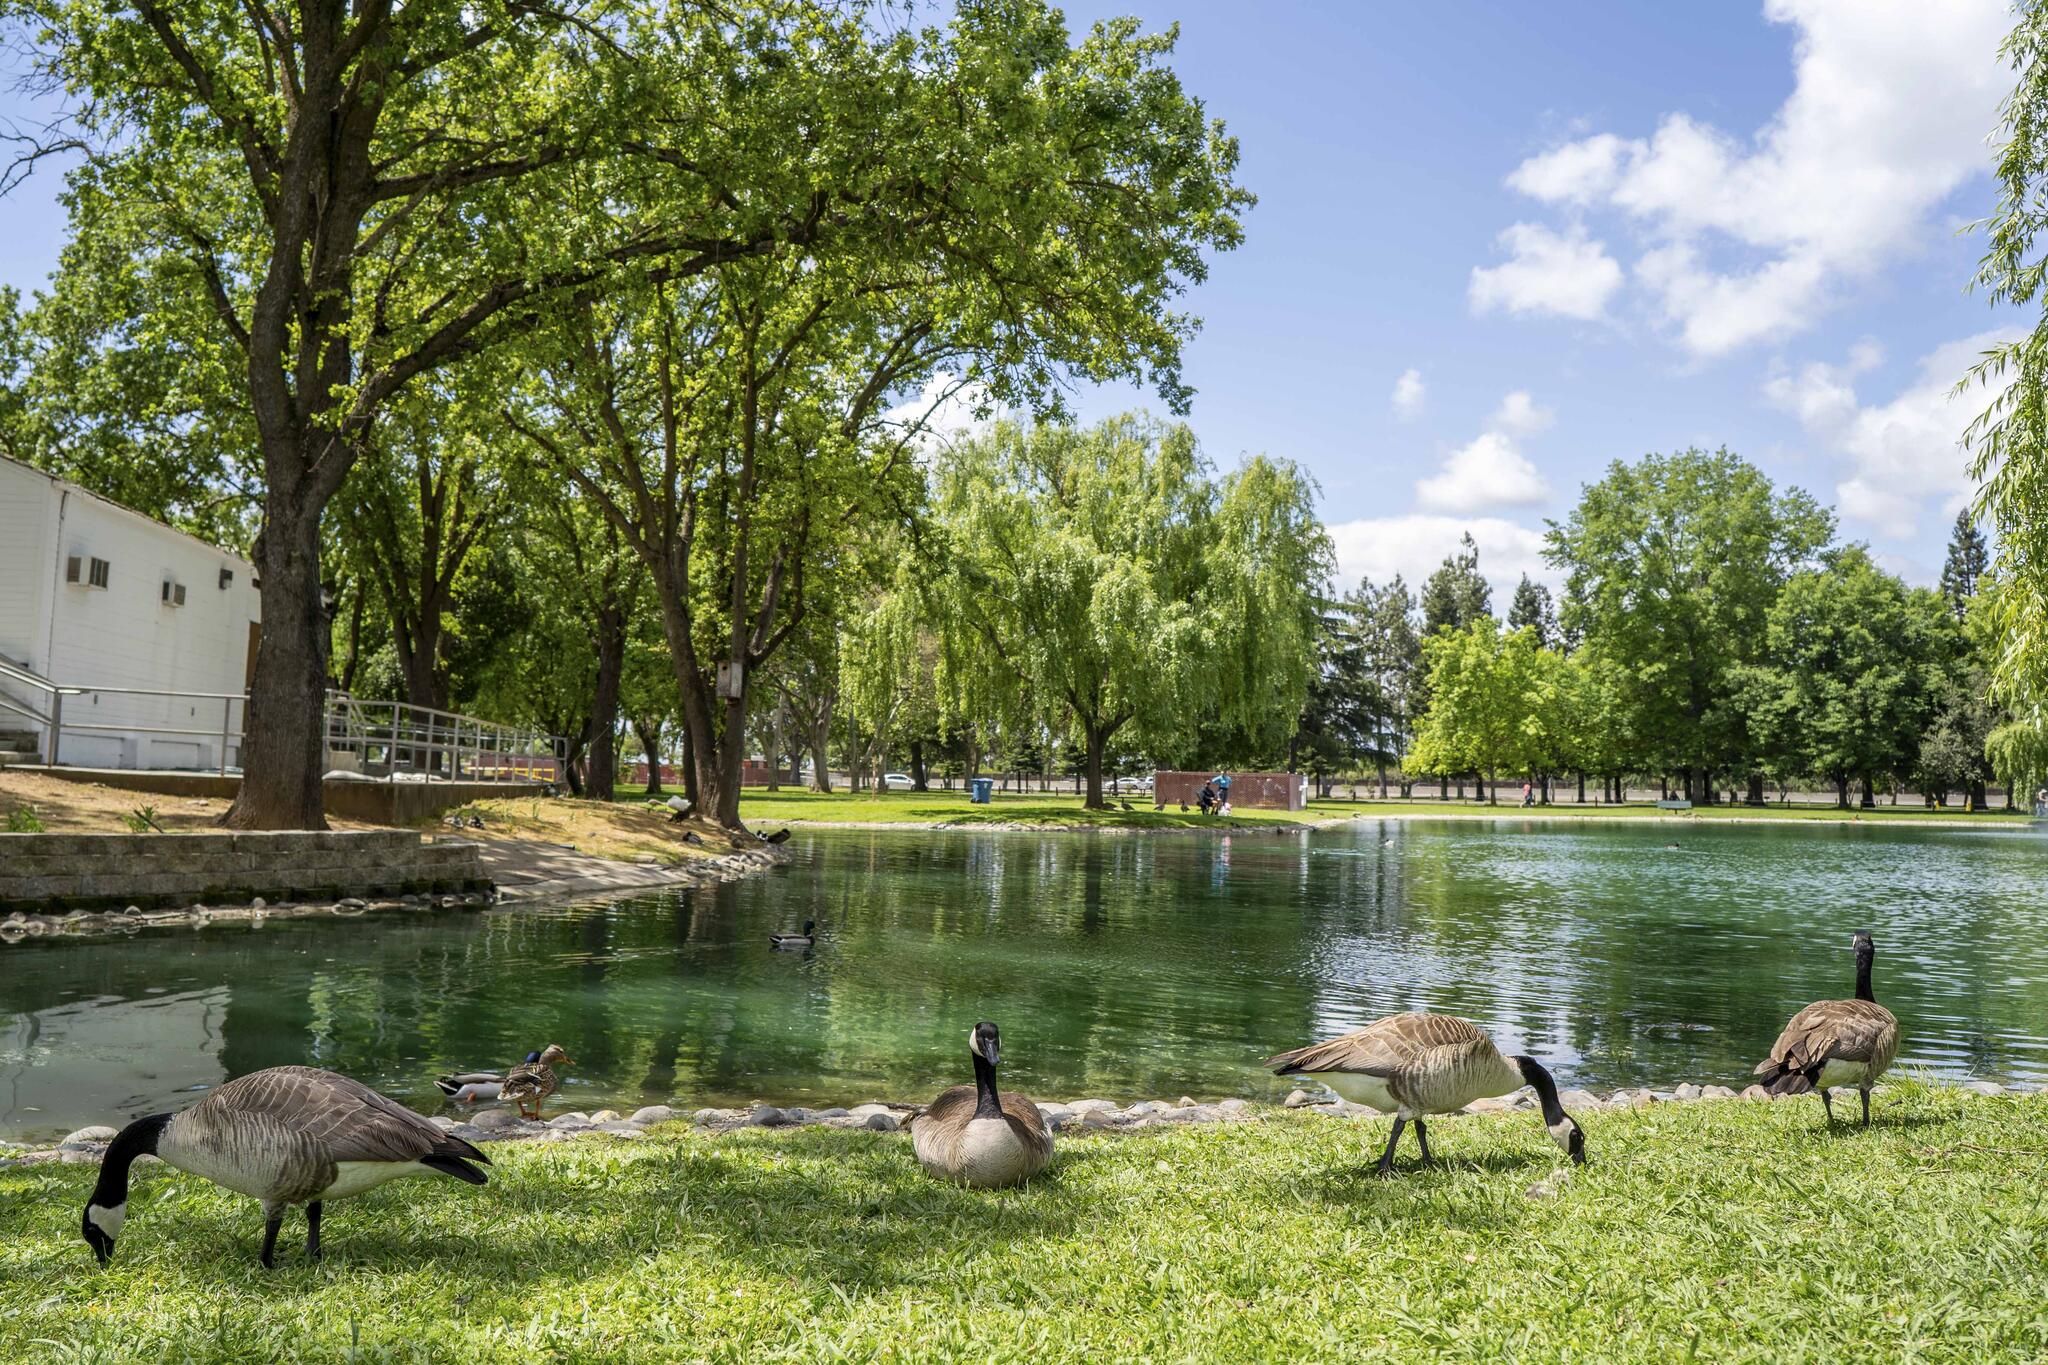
{"x":108,"y":1220}
{"x":1561,"y":1134}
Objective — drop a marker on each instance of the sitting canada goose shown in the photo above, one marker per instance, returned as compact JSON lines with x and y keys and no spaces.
{"x":1835,"y":1042}
{"x":972,"y":1136}
{"x":474,"y":1087}
{"x":803,"y":940}
{"x":532,"y":1082}
{"x":288,"y":1135}
{"x":1409,"y":1065}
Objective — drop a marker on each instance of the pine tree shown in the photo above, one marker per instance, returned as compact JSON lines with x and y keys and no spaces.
{"x":1456,"y":595}
{"x":1968,"y":557}
{"x":1532,"y":607}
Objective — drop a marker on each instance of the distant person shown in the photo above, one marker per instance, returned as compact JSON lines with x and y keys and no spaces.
{"x":1528,"y":794}
{"x":1207,"y":799}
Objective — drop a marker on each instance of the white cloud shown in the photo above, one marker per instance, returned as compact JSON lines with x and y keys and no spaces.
{"x":1899,"y":459}
{"x":1518,"y":415}
{"x":1488,"y":473}
{"x":1566,"y":273}
{"x":945,"y":411}
{"x":1889,"y":110}
{"x":1491,"y":471}
{"x":1410,"y":394}
{"x":1414,"y":545}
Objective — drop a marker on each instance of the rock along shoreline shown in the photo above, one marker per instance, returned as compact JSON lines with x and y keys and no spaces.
{"x":491,"y":1125}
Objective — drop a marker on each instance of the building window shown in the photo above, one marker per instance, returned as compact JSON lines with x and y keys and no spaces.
{"x":79,"y":568}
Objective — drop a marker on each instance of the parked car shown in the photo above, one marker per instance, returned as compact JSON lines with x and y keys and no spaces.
{"x":1131,"y":784}
{"x":897,"y":782}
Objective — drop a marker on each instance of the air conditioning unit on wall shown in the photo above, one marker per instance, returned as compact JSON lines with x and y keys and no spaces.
{"x":173,"y":594}
{"x":86,"y":570}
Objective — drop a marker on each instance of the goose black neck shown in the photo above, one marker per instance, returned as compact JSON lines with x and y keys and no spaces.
{"x":987,"y":1104}
{"x":1863,"y":961}
{"x":1546,"y":1089}
{"x":137,"y":1139}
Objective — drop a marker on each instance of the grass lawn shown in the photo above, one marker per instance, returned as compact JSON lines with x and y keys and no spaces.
{"x":761,"y":809}
{"x":764,"y":809}
{"x":1716,"y":1231}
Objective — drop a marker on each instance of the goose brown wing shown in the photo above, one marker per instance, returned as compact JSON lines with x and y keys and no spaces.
{"x":955,"y":1104}
{"x":1385,"y":1046}
{"x":1025,"y":1120}
{"x":352,"y":1121}
{"x":1844,"y":1030}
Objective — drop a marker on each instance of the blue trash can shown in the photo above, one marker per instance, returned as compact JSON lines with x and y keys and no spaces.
{"x":981,"y":789}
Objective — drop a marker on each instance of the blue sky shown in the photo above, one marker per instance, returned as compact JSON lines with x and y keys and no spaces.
{"x":1589,"y":231}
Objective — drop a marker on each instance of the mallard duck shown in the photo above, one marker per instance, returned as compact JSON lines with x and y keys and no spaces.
{"x":1409,"y":1065}
{"x":474,"y":1087}
{"x":532,"y":1082}
{"x":1835,"y":1042}
{"x":971,"y":1135}
{"x":803,"y":940}
{"x":288,"y":1135}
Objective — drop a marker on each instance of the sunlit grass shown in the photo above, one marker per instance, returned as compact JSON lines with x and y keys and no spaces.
{"x":1716,"y":1231}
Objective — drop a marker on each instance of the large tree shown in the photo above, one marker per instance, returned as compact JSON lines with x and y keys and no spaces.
{"x":1103,"y":578}
{"x":1968,"y":557}
{"x":738,"y":428}
{"x":356,"y":193}
{"x":1457,"y":594}
{"x":1673,"y":564}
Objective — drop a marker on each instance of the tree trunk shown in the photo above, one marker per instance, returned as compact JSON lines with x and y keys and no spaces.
{"x":610,"y":639}
{"x":1869,"y":801}
{"x":689,"y":765}
{"x":821,"y":767}
{"x":1098,"y":739}
{"x":1842,"y":791}
{"x":649,"y":732}
{"x":283,"y":733}
{"x":917,"y":770}
{"x":1755,"y":795}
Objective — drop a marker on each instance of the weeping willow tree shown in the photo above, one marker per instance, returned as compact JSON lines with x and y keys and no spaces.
{"x":2008,"y":441}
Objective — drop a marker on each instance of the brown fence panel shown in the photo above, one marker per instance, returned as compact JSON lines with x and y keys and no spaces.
{"x":1268,"y":791}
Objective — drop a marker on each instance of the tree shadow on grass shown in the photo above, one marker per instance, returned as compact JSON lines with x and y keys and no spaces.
{"x":856,"y":1213}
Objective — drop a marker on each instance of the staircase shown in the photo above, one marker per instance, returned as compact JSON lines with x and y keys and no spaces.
{"x":19,"y":746}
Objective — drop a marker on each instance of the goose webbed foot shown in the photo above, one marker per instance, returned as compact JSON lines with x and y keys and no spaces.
{"x":270,"y":1226}
{"x":313,"y":1231}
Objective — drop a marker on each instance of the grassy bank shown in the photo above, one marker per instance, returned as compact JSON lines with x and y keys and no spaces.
{"x":764,"y":809}
{"x":1722,"y":1231}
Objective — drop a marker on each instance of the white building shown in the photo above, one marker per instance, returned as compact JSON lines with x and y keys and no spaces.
{"x":96,"y":596}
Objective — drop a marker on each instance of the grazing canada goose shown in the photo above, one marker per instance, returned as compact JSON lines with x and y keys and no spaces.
{"x":1835,"y":1042}
{"x":1409,"y":1065}
{"x":288,"y":1135}
{"x":803,"y":940}
{"x":972,"y":1136}
{"x":474,"y":1087}
{"x":532,"y":1082}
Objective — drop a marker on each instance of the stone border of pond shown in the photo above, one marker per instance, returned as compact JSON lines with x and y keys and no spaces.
{"x":1085,"y":1116}
{"x":19,"y":926}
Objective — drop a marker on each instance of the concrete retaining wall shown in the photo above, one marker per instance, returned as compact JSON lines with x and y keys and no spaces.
{"x":382,"y":803}
{"x":84,"y":871}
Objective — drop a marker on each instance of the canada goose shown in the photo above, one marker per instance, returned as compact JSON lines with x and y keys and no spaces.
{"x":803,"y":940}
{"x":532,"y":1082}
{"x":780,"y":836}
{"x":972,"y":1136}
{"x":1835,"y":1042}
{"x":1409,"y":1065}
{"x":288,"y":1135}
{"x":474,"y":1087}
{"x":1122,"y":804}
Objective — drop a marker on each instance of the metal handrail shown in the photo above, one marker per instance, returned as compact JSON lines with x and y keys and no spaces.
{"x":432,"y":740}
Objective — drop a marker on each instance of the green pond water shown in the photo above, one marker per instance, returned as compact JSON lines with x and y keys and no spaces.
{"x":1125,"y":966}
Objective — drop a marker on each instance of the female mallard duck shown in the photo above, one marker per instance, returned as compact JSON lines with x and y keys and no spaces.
{"x":288,"y":1135}
{"x":972,"y":1136}
{"x":532,"y":1082}
{"x":803,"y":940}
{"x":1835,"y":1042}
{"x":474,"y":1087}
{"x":1409,"y":1065}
